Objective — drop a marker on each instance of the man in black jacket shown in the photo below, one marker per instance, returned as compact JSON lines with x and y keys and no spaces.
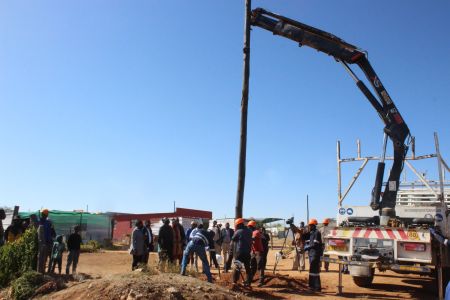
{"x":242,"y":246}
{"x":227,"y":234}
{"x":73,"y":246}
{"x":165,"y":242}
{"x":148,"y":240}
{"x":314,"y":249}
{"x":265,"y":242}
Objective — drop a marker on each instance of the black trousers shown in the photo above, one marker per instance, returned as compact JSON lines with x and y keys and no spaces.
{"x":264,"y":260}
{"x":72,"y":259}
{"x":229,"y":261}
{"x":314,"y":273}
{"x":245,"y":259}
{"x":137,"y":259}
{"x":213,"y":259}
{"x":53,"y":263}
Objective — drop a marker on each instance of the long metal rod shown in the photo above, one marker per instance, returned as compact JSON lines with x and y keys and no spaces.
{"x":338,"y":158}
{"x":445,"y":164}
{"x":386,"y":158}
{"x":421,"y":178}
{"x":307,"y":208}
{"x":244,"y":112}
{"x":353,"y":181}
{"x":442,"y":200}
{"x":441,"y":171}
{"x":383,"y":155}
{"x":368,"y":158}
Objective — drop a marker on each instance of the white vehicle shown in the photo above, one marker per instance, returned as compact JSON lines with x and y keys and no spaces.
{"x":365,"y":240}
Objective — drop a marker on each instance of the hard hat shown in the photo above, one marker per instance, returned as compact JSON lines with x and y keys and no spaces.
{"x":238,"y":221}
{"x":326,"y":221}
{"x":312,"y":222}
{"x":44,"y":211}
{"x":252,"y":223}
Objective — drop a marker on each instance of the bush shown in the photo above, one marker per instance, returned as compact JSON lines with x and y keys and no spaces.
{"x":91,"y":246}
{"x":25,"y":286}
{"x":18,"y":257}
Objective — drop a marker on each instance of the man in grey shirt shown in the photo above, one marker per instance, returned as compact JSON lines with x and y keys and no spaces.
{"x":137,"y":246}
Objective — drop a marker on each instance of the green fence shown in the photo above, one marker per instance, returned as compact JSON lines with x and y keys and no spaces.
{"x":94,"y":226}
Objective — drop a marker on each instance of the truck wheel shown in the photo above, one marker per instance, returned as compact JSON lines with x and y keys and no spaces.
{"x":363,"y":281}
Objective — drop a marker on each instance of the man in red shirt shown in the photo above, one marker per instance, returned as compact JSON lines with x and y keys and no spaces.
{"x":257,"y":252}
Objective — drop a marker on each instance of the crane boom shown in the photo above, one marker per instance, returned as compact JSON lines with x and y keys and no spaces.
{"x":348,"y":54}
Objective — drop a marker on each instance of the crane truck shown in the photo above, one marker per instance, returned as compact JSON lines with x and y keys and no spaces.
{"x":389,"y":240}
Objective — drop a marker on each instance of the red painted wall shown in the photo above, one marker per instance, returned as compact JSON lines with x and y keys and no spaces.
{"x":123,"y":222}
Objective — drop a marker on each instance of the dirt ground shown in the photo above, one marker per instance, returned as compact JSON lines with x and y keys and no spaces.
{"x":285,"y":284}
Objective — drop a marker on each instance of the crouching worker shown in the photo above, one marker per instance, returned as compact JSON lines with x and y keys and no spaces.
{"x":199,"y":240}
{"x":314,"y":249}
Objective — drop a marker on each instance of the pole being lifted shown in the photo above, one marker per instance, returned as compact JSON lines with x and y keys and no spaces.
{"x":244,"y":112}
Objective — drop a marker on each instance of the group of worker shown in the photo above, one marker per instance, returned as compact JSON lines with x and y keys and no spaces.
{"x":50,"y":246}
{"x":248,"y":246}
{"x":244,"y":248}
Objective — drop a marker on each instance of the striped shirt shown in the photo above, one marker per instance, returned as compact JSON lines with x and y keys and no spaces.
{"x":200,"y":237}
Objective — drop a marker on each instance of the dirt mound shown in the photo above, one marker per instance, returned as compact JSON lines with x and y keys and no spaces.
{"x":135,"y":286}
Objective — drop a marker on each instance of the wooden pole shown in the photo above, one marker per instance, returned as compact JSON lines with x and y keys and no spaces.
{"x":244,"y":112}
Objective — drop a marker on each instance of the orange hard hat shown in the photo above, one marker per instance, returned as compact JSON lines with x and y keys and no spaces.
{"x":252,"y":223}
{"x":238,"y":221}
{"x":326,"y":221}
{"x":44,"y":212}
{"x":312,"y":222}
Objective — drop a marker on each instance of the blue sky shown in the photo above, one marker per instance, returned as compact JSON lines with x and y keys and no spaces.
{"x":131,"y":105}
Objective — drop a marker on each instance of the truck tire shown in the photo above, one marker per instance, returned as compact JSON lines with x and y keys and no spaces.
{"x":363,"y":281}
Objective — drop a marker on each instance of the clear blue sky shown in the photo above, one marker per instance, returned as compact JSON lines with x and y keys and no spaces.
{"x":131,"y":105}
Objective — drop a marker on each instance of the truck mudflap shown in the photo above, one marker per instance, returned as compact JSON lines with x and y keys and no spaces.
{"x":393,"y":267}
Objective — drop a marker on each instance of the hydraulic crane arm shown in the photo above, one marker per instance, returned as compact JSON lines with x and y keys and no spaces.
{"x":347,"y":54}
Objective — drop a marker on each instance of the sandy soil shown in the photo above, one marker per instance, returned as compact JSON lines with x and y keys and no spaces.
{"x":285,"y":283}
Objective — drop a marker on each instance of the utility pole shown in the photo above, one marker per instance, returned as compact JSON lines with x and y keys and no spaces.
{"x":244,"y":112}
{"x":307,"y":208}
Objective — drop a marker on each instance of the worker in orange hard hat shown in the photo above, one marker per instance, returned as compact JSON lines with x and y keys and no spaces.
{"x":231,"y":251}
{"x":314,"y":248}
{"x":257,"y":251}
{"x":46,"y":234}
{"x":238,"y":221}
{"x":324,"y":231}
{"x":241,"y":245}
